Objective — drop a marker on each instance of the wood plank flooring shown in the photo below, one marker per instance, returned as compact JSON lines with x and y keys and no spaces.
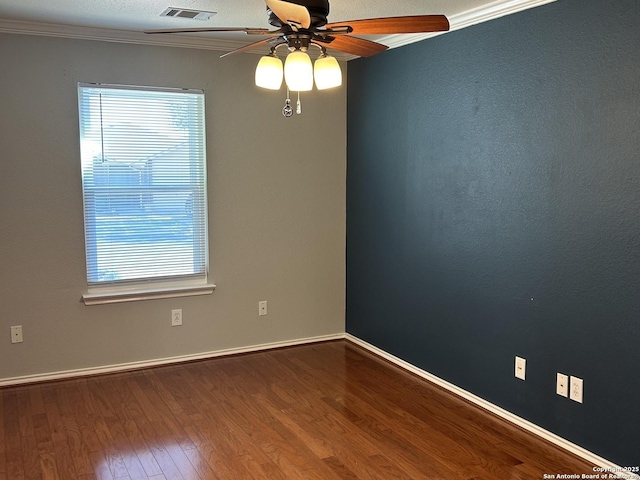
{"x":321,"y":411}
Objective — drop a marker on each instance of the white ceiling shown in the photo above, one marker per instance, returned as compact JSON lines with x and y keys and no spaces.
{"x":124,"y":20}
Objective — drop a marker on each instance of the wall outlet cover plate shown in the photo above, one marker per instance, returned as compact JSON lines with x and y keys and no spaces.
{"x":562,"y":384}
{"x":521,"y":368}
{"x":575,"y":389}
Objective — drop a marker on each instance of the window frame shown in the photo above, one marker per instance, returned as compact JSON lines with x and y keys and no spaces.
{"x":150,"y":286}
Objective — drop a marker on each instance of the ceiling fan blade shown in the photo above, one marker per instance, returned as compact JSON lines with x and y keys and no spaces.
{"x":251,"y":46}
{"x":392,"y":25}
{"x":356,"y":46}
{"x":290,"y":13}
{"x":250,"y":31}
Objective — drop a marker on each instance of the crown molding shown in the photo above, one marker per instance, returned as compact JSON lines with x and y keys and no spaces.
{"x":118,"y":36}
{"x":128,"y":36}
{"x":490,"y":11}
{"x":474,"y":16}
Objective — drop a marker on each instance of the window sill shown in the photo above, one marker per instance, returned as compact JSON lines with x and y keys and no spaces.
{"x":102,"y":298}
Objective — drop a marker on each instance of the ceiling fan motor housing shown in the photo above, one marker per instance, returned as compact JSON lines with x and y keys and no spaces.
{"x":318,"y":10}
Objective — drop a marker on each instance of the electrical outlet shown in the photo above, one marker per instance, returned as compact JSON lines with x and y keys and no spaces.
{"x":262,"y":308}
{"x":575,"y":392}
{"x":521,"y":368}
{"x":176,"y":317}
{"x":562,"y":384}
{"x":16,"y":334}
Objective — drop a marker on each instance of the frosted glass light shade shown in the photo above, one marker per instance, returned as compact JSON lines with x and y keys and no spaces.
{"x":327,"y":73}
{"x":298,"y":72}
{"x":269,"y":72}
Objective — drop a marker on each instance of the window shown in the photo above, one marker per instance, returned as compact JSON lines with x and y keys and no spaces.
{"x":144,"y":187}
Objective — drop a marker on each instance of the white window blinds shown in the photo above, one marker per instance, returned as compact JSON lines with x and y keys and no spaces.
{"x":144,"y":184}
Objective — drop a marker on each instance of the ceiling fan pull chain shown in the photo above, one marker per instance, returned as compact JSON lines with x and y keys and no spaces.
{"x":298,"y":105}
{"x":287,"y":111}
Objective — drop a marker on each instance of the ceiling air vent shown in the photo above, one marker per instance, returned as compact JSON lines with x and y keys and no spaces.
{"x":184,"y":13}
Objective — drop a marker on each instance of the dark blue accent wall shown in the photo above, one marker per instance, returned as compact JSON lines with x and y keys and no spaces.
{"x":493,"y":210}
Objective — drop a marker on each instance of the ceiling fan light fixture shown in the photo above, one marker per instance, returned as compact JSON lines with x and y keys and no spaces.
{"x":269,"y":72}
{"x":298,"y":71}
{"x":301,"y":24}
{"x":327,"y":72}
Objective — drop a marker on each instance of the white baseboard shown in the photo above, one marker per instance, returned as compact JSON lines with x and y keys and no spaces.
{"x":591,"y":457}
{"x":500,"y":412}
{"x":84,"y":372}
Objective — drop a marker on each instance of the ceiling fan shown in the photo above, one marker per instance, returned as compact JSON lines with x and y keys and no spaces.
{"x":301,"y":24}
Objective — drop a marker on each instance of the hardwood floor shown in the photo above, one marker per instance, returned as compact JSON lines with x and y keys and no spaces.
{"x":321,"y":411}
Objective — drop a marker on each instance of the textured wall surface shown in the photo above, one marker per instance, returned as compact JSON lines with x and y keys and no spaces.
{"x":493,"y":210}
{"x":277,"y":221}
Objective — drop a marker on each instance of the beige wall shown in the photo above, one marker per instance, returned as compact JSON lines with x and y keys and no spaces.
{"x":276,"y":210}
